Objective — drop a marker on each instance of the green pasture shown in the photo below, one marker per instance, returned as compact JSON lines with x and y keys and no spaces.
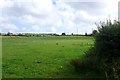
{"x":43,"y":57}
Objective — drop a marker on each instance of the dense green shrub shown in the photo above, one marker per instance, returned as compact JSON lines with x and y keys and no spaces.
{"x":107,"y":42}
{"x":94,"y":32}
{"x":105,"y":55}
{"x":107,"y":50}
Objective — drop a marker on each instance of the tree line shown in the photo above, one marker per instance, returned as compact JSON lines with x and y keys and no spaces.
{"x":94,"y":32}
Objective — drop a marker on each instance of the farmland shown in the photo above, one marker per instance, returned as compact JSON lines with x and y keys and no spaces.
{"x":43,"y":57}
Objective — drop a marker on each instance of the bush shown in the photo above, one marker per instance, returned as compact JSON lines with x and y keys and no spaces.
{"x":105,"y":55}
{"x":94,"y":32}
{"x":91,"y":59}
{"x":106,"y":50}
{"x":107,"y":42}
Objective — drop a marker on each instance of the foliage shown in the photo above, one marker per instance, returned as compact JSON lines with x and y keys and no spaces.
{"x":86,"y":34}
{"x":104,"y":56}
{"x":108,"y":40}
{"x":107,"y":44}
{"x":20,"y":34}
{"x":107,"y":49}
{"x":94,"y":32}
{"x":9,"y":34}
{"x":63,"y":34}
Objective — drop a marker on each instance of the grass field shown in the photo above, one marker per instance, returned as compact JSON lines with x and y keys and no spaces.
{"x":43,"y":57}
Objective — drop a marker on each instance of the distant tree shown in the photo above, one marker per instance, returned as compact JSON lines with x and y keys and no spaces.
{"x":27,"y":35}
{"x":63,"y":34}
{"x":37,"y":35}
{"x":9,"y":34}
{"x":20,"y":34}
{"x":86,"y":34}
{"x":72,"y":34}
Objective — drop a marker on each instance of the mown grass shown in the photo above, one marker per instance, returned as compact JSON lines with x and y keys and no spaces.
{"x":43,"y":57}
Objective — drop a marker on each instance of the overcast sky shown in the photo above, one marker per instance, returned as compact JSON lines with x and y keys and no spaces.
{"x":55,"y":16}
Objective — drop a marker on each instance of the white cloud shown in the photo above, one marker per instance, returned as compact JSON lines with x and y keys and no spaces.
{"x":2,"y":3}
{"x":36,"y":28}
{"x":64,"y":16}
{"x":8,"y":27}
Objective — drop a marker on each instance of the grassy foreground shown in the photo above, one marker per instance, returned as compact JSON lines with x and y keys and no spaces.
{"x":42,"y":57}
